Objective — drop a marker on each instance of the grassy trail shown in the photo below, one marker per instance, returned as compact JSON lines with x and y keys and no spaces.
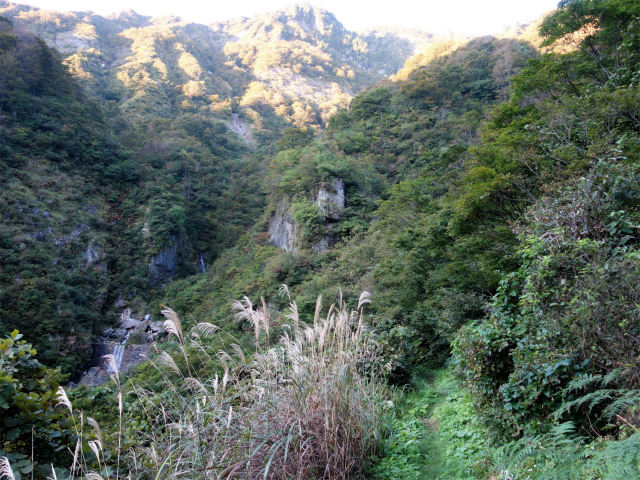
{"x":436,"y":435}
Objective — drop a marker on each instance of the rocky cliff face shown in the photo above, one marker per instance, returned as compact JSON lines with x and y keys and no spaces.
{"x":331,"y":199}
{"x":129,"y":342}
{"x":162,"y":267}
{"x":283,"y":230}
{"x":331,"y":202}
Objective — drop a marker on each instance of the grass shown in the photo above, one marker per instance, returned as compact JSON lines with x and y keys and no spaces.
{"x":435,"y":435}
{"x":312,"y":404}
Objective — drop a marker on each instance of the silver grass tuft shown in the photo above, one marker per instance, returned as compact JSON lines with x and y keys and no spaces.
{"x":61,"y":395}
{"x":5,"y":469}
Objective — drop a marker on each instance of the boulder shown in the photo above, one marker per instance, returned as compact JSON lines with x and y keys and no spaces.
{"x":129,"y":323}
{"x":94,"y":376}
{"x":155,"y":327}
{"x":132,"y":324}
{"x":116,"y":334}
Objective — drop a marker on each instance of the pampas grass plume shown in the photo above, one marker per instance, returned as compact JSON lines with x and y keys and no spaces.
{"x":172,"y":323}
{"x":61,"y":395}
{"x":5,"y":469}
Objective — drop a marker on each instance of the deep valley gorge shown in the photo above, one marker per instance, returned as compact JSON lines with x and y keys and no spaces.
{"x":272,"y":247}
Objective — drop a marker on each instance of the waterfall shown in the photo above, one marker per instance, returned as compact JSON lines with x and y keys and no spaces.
{"x":118,"y":352}
{"x":204,"y":270}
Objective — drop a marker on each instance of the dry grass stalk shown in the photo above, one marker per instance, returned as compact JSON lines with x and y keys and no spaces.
{"x":5,"y":469}
{"x":172,"y":323}
{"x":206,"y":328}
{"x":97,"y":429}
{"x":167,"y":360}
{"x":62,"y":398}
{"x":112,"y":368}
{"x":53,"y":474}
{"x":311,"y":406}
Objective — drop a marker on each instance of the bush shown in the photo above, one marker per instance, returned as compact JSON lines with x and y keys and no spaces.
{"x":30,"y":423}
{"x":578,"y":280}
{"x":309,"y":217}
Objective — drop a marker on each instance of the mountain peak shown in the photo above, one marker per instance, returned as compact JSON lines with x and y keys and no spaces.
{"x":308,"y":17}
{"x":129,"y":15}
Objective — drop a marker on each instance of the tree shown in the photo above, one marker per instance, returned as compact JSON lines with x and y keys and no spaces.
{"x":30,"y":422}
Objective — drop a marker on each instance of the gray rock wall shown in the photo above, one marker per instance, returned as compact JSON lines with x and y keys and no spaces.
{"x":132,"y":356}
{"x":162,"y":267}
{"x":331,"y":199}
{"x":283,"y":230}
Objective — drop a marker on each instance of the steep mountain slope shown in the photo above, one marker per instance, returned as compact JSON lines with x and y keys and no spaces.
{"x":366,"y":207}
{"x":487,"y":200}
{"x":428,"y":52}
{"x":299,"y":64}
{"x":56,"y":223}
{"x":195,"y":112}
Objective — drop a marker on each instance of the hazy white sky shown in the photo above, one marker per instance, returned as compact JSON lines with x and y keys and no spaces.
{"x":460,"y":16}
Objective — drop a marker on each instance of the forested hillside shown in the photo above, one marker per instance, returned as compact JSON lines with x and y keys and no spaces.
{"x":56,"y":153}
{"x":196,"y":112}
{"x":296,"y":66}
{"x":399,"y":151}
{"x":87,"y":215}
{"x":318,"y":267}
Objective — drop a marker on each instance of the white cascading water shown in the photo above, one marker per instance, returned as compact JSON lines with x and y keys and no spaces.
{"x":118,"y":352}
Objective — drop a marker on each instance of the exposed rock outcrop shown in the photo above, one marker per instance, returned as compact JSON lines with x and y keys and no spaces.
{"x":127,"y":325}
{"x":132,"y":355}
{"x":66,"y":239}
{"x":116,"y":341}
{"x":93,"y":377}
{"x":162,"y":267}
{"x":283,"y":230}
{"x":242,"y":129}
{"x":331,"y":199}
{"x":324,"y":244}
{"x":91,"y":255}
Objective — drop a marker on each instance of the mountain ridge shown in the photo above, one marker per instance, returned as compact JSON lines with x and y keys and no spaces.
{"x":325,"y":66}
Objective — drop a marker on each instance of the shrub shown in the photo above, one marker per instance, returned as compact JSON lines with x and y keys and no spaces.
{"x":570,"y":309}
{"x":31,"y":430}
{"x":310,"y":219}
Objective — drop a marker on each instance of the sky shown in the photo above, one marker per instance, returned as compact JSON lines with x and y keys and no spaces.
{"x":460,"y":16}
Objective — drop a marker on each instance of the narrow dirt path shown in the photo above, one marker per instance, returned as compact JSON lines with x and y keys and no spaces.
{"x":436,"y":435}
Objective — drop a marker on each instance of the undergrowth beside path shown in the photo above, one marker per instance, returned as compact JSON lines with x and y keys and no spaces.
{"x":435,"y":434}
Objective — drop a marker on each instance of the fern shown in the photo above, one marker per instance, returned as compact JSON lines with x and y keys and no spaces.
{"x":620,"y":398}
{"x":563,"y":455}
{"x":627,"y":399}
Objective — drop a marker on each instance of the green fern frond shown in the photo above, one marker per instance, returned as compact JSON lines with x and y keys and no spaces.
{"x":592,"y":399}
{"x":629,"y":399}
{"x":562,"y":455}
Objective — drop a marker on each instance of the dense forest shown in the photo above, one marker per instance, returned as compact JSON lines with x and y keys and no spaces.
{"x":385,"y":255}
